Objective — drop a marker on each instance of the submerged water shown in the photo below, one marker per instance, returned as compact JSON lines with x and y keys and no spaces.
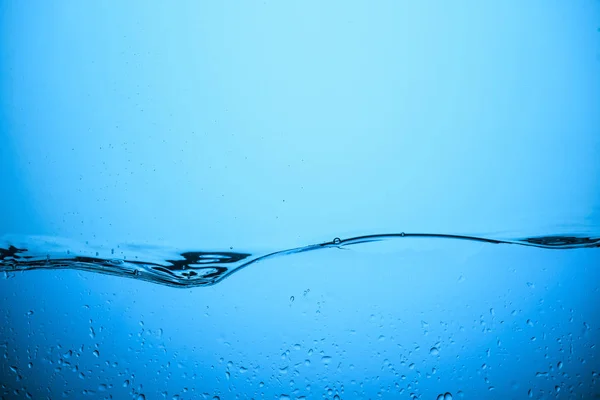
{"x":386,"y":316}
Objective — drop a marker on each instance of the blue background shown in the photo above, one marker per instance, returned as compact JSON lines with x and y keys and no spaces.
{"x":270,"y":125}
{"x":286,"y":122}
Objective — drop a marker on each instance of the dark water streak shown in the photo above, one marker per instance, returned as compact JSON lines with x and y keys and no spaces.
{"x":204,"y":268}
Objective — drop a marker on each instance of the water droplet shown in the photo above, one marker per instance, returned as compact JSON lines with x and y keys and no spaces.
{"x":292,"y":299}
{"x":447,"y":396}
{"x":96,"y":353}
{"x":141,"y":397}
{"x":284,"y":397}
{"x":434,"y":351}
{"x":402,"y":234}
{"x":337,"y":240}
{"x":326,"y":359}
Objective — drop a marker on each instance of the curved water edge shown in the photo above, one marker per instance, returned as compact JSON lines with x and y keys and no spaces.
{"x":206,"y":268}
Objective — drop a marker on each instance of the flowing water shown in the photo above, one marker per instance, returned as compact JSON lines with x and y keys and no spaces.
{"x":380,"y":316}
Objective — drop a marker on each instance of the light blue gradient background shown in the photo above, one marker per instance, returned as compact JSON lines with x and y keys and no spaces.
{"x":278,"y":124}
{"x":293,"y":122}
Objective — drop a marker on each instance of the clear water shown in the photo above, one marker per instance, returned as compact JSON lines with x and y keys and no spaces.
{"x":403,"y":316}
{"x":207,"y":200}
